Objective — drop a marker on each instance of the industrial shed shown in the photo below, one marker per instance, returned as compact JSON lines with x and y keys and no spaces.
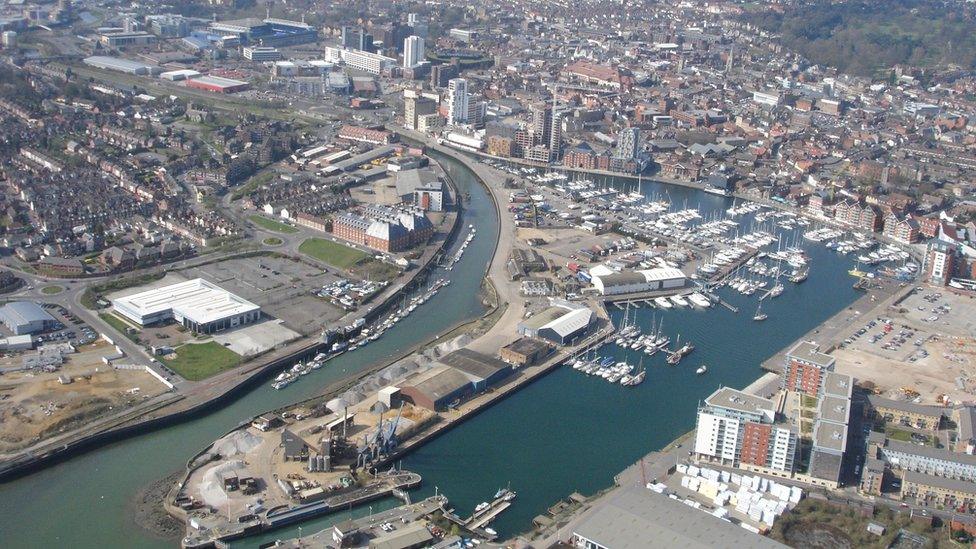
{"x":650,"y":280}
{"x":438,"y":390}
{"x":482,"y":370}
{"x":217,"y":84}
{"x":25,"y":317}
{"x":558,"y":324}
{"x":120,"y":65}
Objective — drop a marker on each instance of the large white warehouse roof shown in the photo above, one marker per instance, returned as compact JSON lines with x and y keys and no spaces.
{"x":197,"y":300}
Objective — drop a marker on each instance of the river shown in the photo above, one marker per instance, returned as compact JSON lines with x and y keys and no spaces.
{"x":86,"y":501}
{"x":562,"y":433}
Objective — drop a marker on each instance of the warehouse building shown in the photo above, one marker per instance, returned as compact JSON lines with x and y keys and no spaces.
{"x":524,"y":352}
{"x":562,"y":323}
{"x":637,"y":518}
{"x":120,"y":65}
{"x":663,"y":278}
{"x":25,"y":317}
{"x":178,"y":75}
{"x":196,"y":304}
{"x":455,"y":377}
{"x":217,"y":84}
{"x":481,"y":370}
{"x":438,"y":390}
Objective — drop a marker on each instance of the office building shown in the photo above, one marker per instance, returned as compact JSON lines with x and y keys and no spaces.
{"x":261,"y":53}
{"x":123,"y":39}
{"x":196,"y":304}
{"x":415,"y":107}
{"x":413,"y":51}
{"x":457,"y":101}
{"x":360,"y":59}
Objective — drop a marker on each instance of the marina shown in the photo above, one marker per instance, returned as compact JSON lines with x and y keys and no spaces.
{"x":666,"y":400}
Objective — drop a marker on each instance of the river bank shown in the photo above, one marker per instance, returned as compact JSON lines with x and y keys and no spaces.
{"x":498,"y":283}
{"x":181,"y":404}
{"x":561,"y":433}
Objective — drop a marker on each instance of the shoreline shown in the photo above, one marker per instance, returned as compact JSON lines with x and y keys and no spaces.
{"x":237,"y":381}
{"x":475,"y":406}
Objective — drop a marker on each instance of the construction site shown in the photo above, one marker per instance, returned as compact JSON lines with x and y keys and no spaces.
{"x":922,"y":348}
{"x":39,"y":404}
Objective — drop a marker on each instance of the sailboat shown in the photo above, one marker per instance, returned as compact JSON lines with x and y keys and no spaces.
{"x":778,"y":287}
{"x":637,"y":378}
{"x":759,"y":314}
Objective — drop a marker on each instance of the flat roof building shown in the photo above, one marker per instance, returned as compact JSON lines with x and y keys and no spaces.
{"x":217,"y":84}
{"x":806,"y":368}
{"x":120,"y":65}
{"x":649,"y":280}
{"x":637,"y":518}
{"x":739,"y":429}
{"x":25,"y":317}
{"x":196,"y":304}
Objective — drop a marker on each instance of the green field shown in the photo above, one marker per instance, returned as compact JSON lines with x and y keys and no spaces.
{"x":272,"y":241}
{"x":52,"y":290}
{"x":271,"y":224}
{"x":334,"y":254}
{"x":196,"y":361}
